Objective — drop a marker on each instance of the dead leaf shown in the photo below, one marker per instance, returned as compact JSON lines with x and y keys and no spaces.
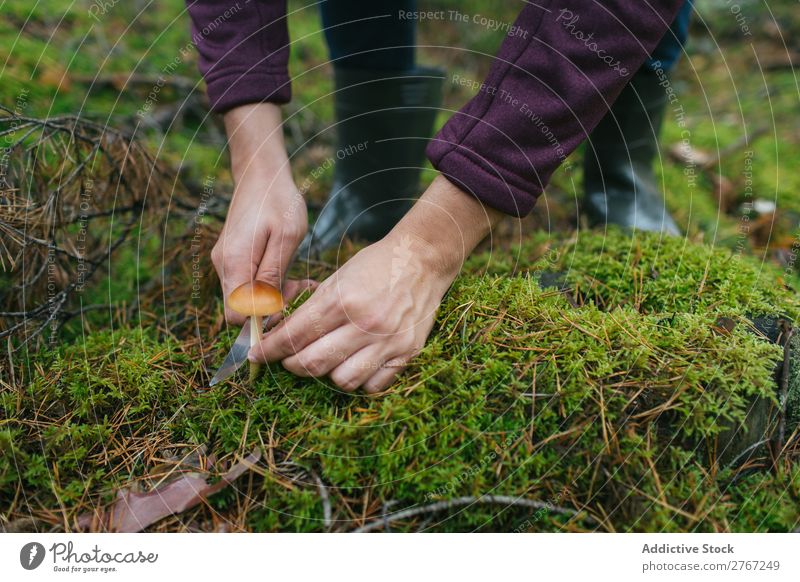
{"x":686,"y":154}
{"x":55,"y":76}
{"x":724,"y":191}
{"x":763,"y":229}
{"x":132,"y":511}
{"x":724,"y":326}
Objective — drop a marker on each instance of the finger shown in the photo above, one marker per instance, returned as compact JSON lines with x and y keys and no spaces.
{"x":384,"y":377}
{"x":233,"y":318}
{"x":312,"y":320}
{"x":275,"y":261}
{"x":292,"y":289}
{"x":326,"y":353}
{"x":358,"y":368}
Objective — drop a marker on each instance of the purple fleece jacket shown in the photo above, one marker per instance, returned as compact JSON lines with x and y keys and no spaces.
{"x":556,"y":74}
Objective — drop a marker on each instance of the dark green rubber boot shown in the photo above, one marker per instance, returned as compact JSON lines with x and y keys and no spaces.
{"x":384,"y":121}
{"x":619,"y":182}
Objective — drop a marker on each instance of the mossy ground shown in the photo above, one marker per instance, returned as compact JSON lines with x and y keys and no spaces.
{"x":610,"y":408}
{"x":632,"y":384}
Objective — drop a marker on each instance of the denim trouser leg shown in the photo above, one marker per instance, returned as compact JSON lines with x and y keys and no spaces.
{"x":370,"y":35}
{"x":670,"y":48}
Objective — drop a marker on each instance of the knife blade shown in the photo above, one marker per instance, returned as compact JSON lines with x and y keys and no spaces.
{"x":238,"y":353}
{"x":236,"y":357}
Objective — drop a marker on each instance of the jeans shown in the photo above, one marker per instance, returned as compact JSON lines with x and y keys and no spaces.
{"x":371,"y":35}
{"x":671,"y":46}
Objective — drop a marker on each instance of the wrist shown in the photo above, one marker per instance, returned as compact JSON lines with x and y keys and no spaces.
{"x":446,"y":224}
{"x":255,"y":142}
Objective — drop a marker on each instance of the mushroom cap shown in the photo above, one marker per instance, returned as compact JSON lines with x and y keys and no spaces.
{"x":256,"y":298}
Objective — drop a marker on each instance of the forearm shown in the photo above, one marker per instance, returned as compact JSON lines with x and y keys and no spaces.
{"x":549,"y":87}
{"x":256,"y":145}
{"x":267,"y":216}
{"x":449,"y":223}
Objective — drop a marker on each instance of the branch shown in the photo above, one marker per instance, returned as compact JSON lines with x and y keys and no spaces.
{"x":461,"y":501}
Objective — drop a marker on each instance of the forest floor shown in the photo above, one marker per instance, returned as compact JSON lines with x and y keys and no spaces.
{"x":575,"y":380}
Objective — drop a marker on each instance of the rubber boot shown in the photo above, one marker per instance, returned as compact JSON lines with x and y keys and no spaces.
{"x":384,"y":121}
{"x":619,"y":182}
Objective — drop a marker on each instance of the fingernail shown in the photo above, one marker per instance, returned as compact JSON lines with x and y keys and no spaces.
{"x":252,"y":358}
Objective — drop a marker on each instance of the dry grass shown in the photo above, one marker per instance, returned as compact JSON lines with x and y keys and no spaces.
{"x":71,"y":192}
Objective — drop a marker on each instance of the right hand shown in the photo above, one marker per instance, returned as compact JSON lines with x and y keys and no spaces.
{"x":267,"y":218}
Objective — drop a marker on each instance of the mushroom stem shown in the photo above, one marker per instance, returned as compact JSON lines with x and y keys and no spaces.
{"x":255,"y":335}
{"x":255,"y":299}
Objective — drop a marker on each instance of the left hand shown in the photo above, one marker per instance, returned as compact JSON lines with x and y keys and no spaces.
{"x":365,"y":322}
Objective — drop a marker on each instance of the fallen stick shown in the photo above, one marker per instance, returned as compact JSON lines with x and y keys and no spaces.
{"x":461,"y":501}
{"x":784,"y":390}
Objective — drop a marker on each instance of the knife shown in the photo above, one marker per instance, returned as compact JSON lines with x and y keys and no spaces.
{"x":238,"y":354}
{"x":236,"y":357}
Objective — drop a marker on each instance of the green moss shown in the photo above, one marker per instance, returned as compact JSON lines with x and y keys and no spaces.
{"x":630,"y":397}
{"x":638,"y":381}
{"x":655,"y":274}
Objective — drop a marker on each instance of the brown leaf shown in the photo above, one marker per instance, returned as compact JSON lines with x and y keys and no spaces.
{"x":724,"y":326}
{"x":724,"y":191}
{"x":762,"y":230}
{"x":784,"y":60}
{"x":133,"y":512}
{"x":55,"y":76}
{"x":686,"y":154}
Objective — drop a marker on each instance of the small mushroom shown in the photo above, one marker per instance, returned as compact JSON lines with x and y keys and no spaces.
{"x":255,"y":300}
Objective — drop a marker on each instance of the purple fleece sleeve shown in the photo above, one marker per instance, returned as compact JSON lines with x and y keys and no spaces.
{"x":557,"y":73}
{"x":244,"y":50}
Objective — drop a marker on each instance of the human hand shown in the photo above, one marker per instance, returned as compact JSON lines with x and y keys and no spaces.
{"x":267,"y":217}
{"x":364,"y":323}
